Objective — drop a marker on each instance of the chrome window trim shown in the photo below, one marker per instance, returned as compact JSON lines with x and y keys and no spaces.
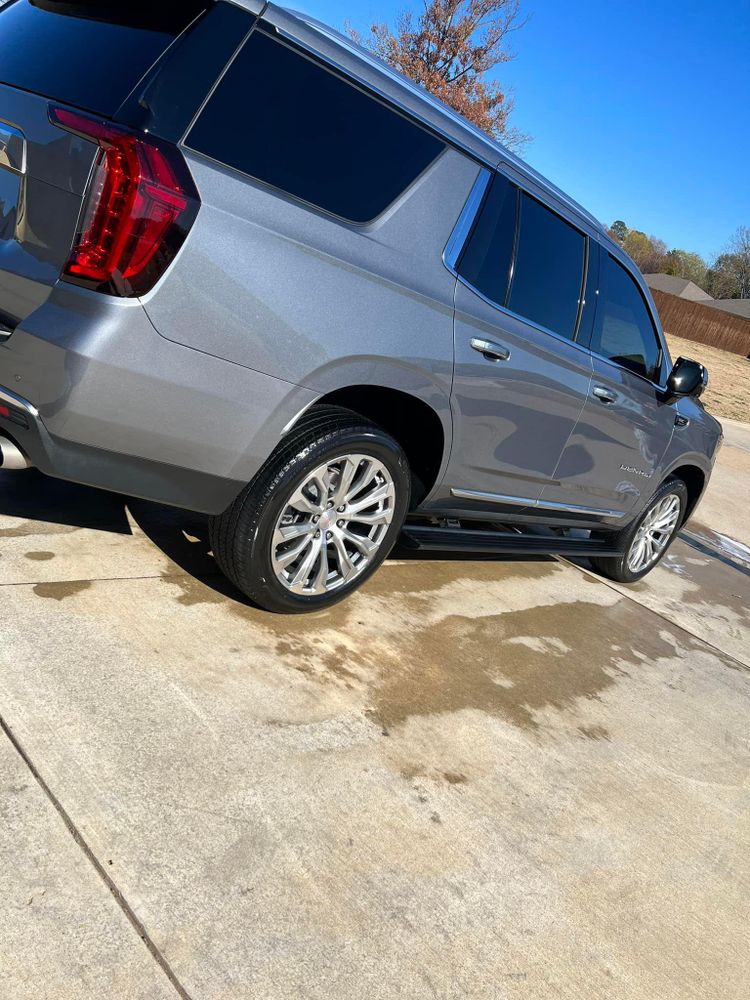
{"x":584,"y":280}
{"x":469,"y":213}
{"x":539,"y":504}
{"x":628,"y":371}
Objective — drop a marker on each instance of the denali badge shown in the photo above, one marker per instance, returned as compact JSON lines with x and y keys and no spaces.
{"x":638,"y":472}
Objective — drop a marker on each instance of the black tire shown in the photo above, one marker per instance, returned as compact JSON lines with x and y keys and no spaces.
{"x":616,"y":567}
{"x":241,"y":537}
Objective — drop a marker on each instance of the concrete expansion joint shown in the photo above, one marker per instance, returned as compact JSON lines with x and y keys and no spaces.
{"x":657,"y":614}
{"x":77,"y":836}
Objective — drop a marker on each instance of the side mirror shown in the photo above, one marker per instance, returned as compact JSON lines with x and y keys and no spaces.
{"x":687,"y":378}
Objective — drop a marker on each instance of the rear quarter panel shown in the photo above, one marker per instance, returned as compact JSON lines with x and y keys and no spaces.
{"x":271,"y":284}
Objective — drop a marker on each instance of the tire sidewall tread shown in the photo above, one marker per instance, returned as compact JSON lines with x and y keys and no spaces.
{"x":241,"y":535}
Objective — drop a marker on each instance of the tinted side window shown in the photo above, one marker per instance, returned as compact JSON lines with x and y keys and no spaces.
{"x":485,"y":263}
{"x":624,"y":331}
{"x":167,"y":100}
{"x":86,"y":54}
{"x":290,"y":122}
{"x":548,"y":270}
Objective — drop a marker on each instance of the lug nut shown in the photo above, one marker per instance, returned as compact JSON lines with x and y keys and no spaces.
{"x":328,"y":534}
{"x":340,"y":524}
{"x":317,"y":534}
{"x":330,"y":503}
{"x":341,"y":510}
{"x":316,"y":519}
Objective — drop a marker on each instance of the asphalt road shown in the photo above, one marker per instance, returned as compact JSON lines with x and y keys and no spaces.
{"x":474,"y":779}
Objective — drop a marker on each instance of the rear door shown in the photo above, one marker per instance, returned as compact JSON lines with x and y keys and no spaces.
{"x":89,"y":56}
{"x":615,"y":454}
{"x":521,"y":380}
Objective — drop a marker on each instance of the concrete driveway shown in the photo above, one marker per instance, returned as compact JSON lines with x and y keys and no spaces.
{"x":474,"y":779}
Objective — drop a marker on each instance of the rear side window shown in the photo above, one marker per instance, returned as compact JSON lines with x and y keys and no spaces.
{"x":485,"y":263}
{"x":623,"y":331}
{"x":525,"y":258}
{"x":90,"y":55}
{"x":291,"y":123}
{"x":548,"y":270}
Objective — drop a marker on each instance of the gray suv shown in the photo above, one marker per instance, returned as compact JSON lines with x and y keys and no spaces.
{"x":249,"y":270}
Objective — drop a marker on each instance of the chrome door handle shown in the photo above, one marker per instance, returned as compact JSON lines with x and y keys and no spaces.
{"x":490,"y":350}
{"x":604,"y":395}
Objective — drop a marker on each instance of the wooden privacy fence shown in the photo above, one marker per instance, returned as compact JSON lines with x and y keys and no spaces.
{"x":703,"y":324}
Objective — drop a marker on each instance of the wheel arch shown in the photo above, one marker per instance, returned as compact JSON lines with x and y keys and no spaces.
{"x":409,"y":419}
{"x":695,"y":479}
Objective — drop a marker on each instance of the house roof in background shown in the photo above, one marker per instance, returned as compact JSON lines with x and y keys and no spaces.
{"x":680,"y":287}
{"x":740,"y":307}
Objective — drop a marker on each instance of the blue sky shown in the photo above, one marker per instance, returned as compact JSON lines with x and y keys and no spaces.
{"x":638,"y":109}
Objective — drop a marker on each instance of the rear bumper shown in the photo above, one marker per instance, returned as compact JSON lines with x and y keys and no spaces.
{"x":98,"y":397}
{"x":107,"y":470}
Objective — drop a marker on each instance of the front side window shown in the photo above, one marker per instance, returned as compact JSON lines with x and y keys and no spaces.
{"x":290,"y":122}
{"x":624,"y":331}
{"x":548,"y":269}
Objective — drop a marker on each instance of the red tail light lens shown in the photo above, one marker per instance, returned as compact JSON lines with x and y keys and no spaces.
{"x":139,"y":208}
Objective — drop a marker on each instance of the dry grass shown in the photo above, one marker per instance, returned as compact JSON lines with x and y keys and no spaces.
{"x":728,"y":393}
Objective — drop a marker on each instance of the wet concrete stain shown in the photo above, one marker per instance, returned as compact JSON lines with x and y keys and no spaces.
{"x":594,"y":732}
{"x":511,"y":665}
{"x":469,"y":664}
{"x":416,"y":577}
{"x":412,"y":772}
{"x":39,"y":556}
{"x":193,"y":590}
{"x":455,"y":778}
{"x":313,"y":656}
{"x":29,"y":529}
{"x":59,"y":591}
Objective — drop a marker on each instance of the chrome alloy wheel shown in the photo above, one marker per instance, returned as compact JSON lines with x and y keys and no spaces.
{"x":654,"y":533}
{"x":333,"y":524}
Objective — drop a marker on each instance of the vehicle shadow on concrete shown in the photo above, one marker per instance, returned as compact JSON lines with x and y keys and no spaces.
{"x":35,"y":497}
{"x":182,"y":536}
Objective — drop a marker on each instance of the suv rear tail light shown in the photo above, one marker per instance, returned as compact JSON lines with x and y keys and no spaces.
{"x":139,"y":207}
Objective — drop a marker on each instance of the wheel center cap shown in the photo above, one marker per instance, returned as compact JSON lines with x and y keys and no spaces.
{"x":326,"y":520}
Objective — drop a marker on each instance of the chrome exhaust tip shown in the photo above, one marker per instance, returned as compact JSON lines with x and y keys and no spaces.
{"x":11,"y":456}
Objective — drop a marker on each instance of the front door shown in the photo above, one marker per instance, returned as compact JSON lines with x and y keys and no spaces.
{"x":613,"y":458}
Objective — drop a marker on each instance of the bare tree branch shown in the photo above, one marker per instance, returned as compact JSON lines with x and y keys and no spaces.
{"x":449,"y":48}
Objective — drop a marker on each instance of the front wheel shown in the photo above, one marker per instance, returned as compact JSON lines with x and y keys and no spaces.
{"x":319,"y":517}
{"x":645,"y":542}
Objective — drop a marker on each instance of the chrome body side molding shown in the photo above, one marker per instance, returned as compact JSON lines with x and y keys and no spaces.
{"x":529,"y":502}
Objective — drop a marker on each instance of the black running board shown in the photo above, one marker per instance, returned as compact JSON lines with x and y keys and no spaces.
{"x":427,"y":537}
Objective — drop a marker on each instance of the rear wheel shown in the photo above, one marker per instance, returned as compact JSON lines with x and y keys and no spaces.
{"x":645,"y":542}
{"x":319,"y":517}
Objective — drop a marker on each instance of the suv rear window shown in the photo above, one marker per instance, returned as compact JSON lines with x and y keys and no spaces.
{"x":90,"y":55}
{"x":288,"y":121}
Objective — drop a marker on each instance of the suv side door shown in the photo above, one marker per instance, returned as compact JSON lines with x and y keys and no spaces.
{"x":614,"y":457}
{"x":520,"y":379}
